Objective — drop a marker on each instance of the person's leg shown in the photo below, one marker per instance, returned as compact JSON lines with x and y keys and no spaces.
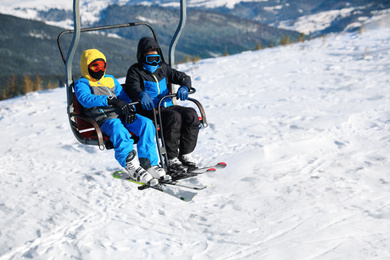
{"x":146,"y":146}
{"x":171,"y":123}
{"x":189,"y":129}
{"x":124,"y":151}
{"x":120,"y":137}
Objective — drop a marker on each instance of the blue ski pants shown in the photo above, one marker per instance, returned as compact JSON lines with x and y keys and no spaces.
{"x":123,"y":144}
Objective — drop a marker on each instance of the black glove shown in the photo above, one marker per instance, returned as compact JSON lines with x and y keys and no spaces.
{"x":129,"y":115}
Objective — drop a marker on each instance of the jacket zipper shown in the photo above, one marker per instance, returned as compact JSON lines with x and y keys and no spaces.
{"x":109,"y":91}
{"x":102,"y":111}
{"x":158,"y":87}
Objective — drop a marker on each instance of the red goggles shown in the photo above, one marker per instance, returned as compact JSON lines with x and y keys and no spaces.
{"x":98,"y":65}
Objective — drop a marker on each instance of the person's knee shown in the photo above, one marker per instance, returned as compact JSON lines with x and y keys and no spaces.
{"x":192,"y":117}
{"x":173,"y":120}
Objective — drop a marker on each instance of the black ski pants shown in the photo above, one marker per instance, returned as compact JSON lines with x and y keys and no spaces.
{"x":180,"y":127}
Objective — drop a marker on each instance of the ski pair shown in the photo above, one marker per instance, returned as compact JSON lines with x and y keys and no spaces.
{"x":198,"y":171}
{"x":162,"y":187}
{"x":177,"y":193}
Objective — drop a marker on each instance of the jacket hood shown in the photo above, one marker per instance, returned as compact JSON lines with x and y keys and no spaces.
{"x":145,"y":44}
{"x":87,"y":57}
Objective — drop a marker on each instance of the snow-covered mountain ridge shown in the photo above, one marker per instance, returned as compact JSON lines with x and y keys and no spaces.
{"x":309,"y":17}
{"x":304,"y":129}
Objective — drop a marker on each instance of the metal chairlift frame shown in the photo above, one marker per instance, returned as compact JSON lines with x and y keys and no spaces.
{"x":75,"y":115}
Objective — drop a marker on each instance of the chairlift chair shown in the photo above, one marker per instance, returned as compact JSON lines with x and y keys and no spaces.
{"x":85,"y":129}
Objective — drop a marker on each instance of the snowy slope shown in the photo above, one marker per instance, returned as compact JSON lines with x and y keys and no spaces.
{"x":29,"y":9}
{"x":304,"y":129}
{"x":317,"y":22}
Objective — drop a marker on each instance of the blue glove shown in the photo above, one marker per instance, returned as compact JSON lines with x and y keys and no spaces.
{"x":146,"y":101}
{"x":182,"y":93}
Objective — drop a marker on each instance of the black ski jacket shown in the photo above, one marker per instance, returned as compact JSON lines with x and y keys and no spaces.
{"x":155,"y":84}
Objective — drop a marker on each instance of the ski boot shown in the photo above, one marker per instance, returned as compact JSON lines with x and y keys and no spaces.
{"x":136,"y":172}
{"x":159,"y":173}
{"x":176,"y":168}
{"x":188,"y":161}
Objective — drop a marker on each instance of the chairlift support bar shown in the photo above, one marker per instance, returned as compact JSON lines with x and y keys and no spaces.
{"x":68,"y":66}
{"x":180,"y":27}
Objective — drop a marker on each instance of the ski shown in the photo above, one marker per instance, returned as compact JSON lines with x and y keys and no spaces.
{"x":210,"y":168}
{"x":198,"y":171}
{"x":184,"y":195}
{"x":188,"y":186}
{"x":181,"y":194}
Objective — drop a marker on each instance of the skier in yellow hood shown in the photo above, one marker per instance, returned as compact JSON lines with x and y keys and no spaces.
{"x":106,"y":102}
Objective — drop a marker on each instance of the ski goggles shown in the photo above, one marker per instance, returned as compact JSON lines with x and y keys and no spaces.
{"x":153,"y":59}
{"x":97,"y":66}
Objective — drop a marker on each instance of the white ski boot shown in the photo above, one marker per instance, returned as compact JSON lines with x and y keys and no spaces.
{"x":188,"y":160}
{"x":136,"y":172}
{"x":176,"y":166}
{"x":159,"y":173}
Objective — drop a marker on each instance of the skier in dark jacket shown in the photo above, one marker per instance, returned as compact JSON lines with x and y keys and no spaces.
{"x":106,"y":102}
{"x":147,"y":81}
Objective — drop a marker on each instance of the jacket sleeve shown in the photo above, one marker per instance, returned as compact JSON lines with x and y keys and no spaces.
{"x":85,"y":96}
{"x":178,"y":77}
{"x":120,"y":92}
{"x":133,"y":86}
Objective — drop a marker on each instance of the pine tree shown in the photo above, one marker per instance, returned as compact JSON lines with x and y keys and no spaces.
{"x":49,"y":85}
{"x":4,"y":94}
{"x":258,"y":46}
{"x":285,"y":40}
{"x":196,"y":59}
{"x":301,"y":37}
{"x":187,"y":58}
{"x":226,"y":53}
{"x":38,"y":83}
{"x":28,"y":85}
{"x":12,"y":87}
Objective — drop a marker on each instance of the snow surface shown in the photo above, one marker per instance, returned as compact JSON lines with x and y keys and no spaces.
{"x":219,"y":3}
{"x":304,"y":129}
{"x":317,"y":22}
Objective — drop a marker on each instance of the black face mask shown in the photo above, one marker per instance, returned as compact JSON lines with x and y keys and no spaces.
{"x":96,"y":75}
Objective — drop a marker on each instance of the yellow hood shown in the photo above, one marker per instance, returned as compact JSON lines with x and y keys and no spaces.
{"x":86,"y":58}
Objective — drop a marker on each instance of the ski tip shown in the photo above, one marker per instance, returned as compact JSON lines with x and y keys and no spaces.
{"x":222,"y":164}
{"x":117,"y":174}
{"x":188,"y":198}
{"x":211,"y":170}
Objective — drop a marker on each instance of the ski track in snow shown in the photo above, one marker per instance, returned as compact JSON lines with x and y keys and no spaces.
{"x":303,"y":128}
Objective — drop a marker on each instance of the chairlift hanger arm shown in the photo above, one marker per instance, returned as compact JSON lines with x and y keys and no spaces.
{"x":101,"y":28}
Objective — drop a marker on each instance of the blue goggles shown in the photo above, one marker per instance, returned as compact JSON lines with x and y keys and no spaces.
{"x":153,"y":59}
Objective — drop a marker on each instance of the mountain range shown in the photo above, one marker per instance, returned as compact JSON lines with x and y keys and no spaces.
{"x":334,"y":15}
{"x":213,"y":28}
